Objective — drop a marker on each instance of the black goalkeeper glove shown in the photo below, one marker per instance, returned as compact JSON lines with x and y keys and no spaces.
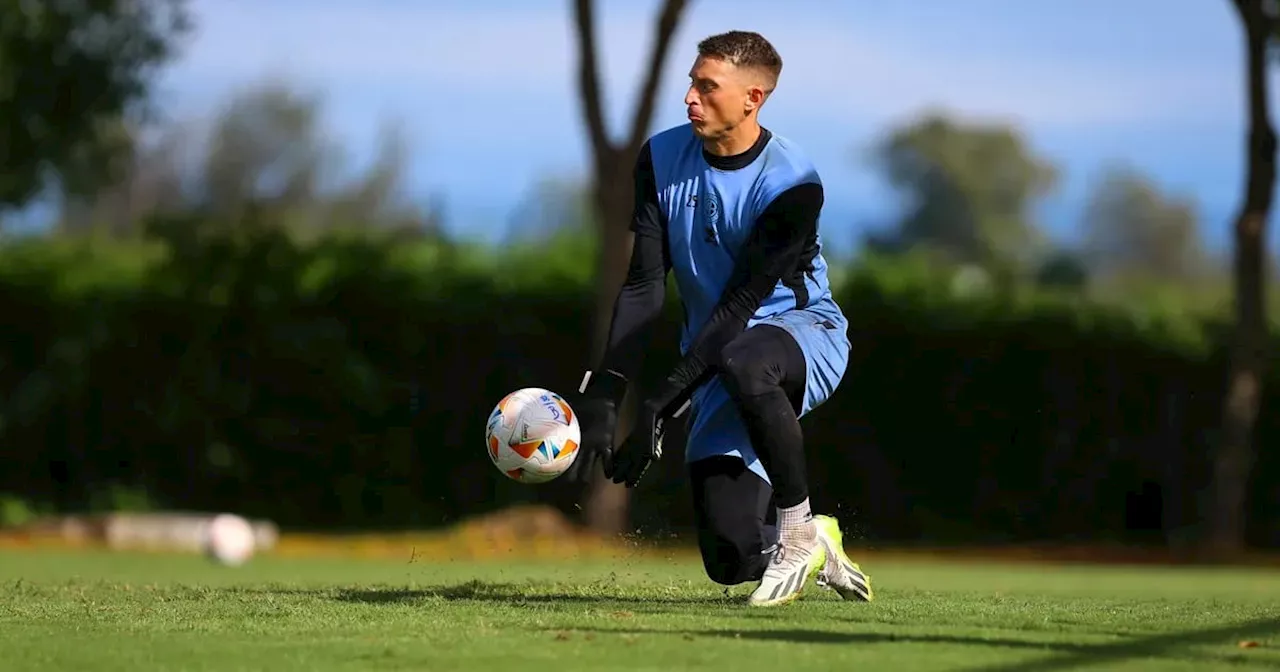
{"x":644,"y":446}
{"x":641,"y":449}
{"x":597,"y":409}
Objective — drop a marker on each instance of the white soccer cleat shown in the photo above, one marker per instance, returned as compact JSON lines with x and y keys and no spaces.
{"x":839,"y":572}
{"x":790,"y":567}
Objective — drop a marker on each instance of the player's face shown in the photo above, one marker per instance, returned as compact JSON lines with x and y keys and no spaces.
{"x":720,"y":96}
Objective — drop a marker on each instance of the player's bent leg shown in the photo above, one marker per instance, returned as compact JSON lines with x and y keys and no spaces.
{"x":731,"y":506}
{"x":821,"y":335}
{"x":763,"y":371}
{"x":805,"y":354}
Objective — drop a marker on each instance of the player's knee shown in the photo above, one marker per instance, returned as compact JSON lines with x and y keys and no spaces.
{"x":744,"y":372}
{"x":727,"y":561}
{"x":727,"y":574}
{"x":731,"y":543}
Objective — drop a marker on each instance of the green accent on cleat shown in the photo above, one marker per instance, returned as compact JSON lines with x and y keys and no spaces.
{"x":861,"y":588}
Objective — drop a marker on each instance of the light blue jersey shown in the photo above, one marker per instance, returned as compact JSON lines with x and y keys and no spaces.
{"x":711,"y":206}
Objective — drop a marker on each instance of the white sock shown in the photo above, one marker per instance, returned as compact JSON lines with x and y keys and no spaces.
{"x":795,"y":523}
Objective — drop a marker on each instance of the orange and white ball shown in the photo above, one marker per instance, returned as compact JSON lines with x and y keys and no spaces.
{"x":532,"y":435}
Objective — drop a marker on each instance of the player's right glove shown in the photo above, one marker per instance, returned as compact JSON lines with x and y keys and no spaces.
{"x":644,"y":446}
{"x":597,"y":408}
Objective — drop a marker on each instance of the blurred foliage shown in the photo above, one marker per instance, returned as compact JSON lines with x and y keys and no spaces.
{"x":266,"y":149}
{"x":69,"y":73}
{"x":1133,"y":229}
{"x":968,"y":190}
{"x":342,"y":380}
{"x":551,"y":208}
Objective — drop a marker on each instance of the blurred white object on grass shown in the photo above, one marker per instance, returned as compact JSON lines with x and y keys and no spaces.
{"x":230,"y":539}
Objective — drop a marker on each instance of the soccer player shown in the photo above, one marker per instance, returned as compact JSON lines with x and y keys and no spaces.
{"x":733,"y":210}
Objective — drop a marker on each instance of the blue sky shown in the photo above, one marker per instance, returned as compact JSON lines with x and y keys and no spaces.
{"x":485,"y":88}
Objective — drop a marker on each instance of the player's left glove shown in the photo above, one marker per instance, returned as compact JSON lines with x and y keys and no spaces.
{"x":642,"y":447}
{"x":597,"y":408}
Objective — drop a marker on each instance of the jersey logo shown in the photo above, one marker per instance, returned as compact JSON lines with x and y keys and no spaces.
{"x":713,"y":209}
{"x":711,"y":218}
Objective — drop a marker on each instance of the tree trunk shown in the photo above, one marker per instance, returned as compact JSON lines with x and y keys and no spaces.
{"x":612,"y":201}
{"x":1235,"y":454}
{"x":606,"y":503}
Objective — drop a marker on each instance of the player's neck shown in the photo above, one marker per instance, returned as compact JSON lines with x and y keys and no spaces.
{"x":736,"y":141}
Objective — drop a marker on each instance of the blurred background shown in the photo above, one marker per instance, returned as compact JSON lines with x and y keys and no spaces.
{"x":282,"y":258}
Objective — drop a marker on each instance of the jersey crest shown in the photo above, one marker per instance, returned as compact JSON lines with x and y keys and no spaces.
{"x":710,"y":217}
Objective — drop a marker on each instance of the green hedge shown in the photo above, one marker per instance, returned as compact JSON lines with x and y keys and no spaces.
{"x":243,"y":370}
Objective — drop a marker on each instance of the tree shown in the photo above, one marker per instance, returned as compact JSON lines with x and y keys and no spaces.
{"x":69,"y":71}
{"x":1234,"y":458}
{"x":1133,"y":229}
{"x":611,"y":163}
{"x":969,"y":190}
{"x":1063,"y":269}
{"x":265,"y":149}
{"x":266,"y":146}
{"x":551,"y":208}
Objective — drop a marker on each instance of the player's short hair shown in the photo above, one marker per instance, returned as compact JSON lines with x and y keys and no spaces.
{"x":744,"y":49}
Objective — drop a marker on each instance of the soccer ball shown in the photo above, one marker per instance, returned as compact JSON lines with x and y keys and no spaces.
{"x":532,"y":435}
{"x":229,"y":539}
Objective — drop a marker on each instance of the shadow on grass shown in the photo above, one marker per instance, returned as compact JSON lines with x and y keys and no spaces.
{"x":1061,"y":655}
{"x":1064,"y":655}
{"x":1153,"y":646}
{"x":514,"y":594}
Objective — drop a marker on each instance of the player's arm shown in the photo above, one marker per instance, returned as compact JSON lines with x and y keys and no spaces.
{"x":642,"y":295}
{"x":778,"y":243}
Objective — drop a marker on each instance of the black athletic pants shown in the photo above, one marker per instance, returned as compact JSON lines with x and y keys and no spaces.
{"x":764,"y":371}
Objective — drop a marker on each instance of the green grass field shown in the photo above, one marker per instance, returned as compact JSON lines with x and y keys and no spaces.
{"x":102,"y":611}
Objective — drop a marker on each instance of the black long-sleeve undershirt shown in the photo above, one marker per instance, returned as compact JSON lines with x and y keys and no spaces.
{"x":782,"y":240}
{"x":641,"y":298}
